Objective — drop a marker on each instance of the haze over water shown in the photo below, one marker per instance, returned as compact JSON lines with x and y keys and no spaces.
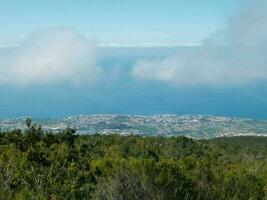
{"x":124,"y":95}
{"x":159,"y":57}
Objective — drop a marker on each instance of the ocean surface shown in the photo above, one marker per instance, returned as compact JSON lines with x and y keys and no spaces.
{"x":118,"y":93}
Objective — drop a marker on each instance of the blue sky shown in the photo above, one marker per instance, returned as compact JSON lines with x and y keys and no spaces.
{"x":118,"y":22}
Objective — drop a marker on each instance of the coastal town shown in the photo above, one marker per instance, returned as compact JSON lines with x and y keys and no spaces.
{"x":195,"y":126}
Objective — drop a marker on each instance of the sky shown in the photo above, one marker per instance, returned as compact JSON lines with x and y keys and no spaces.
{"x":118,"y":22}
{"x":62,"y":58}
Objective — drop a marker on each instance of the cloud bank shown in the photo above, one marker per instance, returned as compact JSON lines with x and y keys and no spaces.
{"x":52,"y":56}
{"x":235,"y":54}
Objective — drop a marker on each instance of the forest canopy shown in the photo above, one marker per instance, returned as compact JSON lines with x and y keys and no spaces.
{"x":38,"y":164}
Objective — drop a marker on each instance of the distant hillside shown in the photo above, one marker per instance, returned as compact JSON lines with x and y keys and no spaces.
{"x":195,"y":126}
{"x":248,"y":144}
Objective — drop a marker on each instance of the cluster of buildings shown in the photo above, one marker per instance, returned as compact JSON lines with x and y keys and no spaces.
{"x":196,"y":126}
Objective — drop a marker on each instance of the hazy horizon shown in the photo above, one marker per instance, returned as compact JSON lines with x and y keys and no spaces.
{"x":173,"y":57}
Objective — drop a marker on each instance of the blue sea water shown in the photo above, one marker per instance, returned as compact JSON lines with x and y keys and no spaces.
{"x":120,"y":93}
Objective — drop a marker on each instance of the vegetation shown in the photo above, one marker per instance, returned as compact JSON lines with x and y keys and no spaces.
{"x":35,"y":164}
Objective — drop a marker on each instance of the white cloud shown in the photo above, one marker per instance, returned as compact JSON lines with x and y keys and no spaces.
{"x":233,"y":55}
{"x":50,"y":57}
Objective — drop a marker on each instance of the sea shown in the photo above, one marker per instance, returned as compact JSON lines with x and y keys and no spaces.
{"x":119,"y":93}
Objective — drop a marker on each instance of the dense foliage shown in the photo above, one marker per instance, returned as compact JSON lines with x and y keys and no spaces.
{"x":36,"y":164}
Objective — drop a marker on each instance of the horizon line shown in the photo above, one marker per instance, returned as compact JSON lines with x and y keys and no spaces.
{"x":145,"y":45}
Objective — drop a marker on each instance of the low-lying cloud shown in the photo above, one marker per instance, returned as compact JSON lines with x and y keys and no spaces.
{"x":235,"y":54}
{"x":52,"y":56}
